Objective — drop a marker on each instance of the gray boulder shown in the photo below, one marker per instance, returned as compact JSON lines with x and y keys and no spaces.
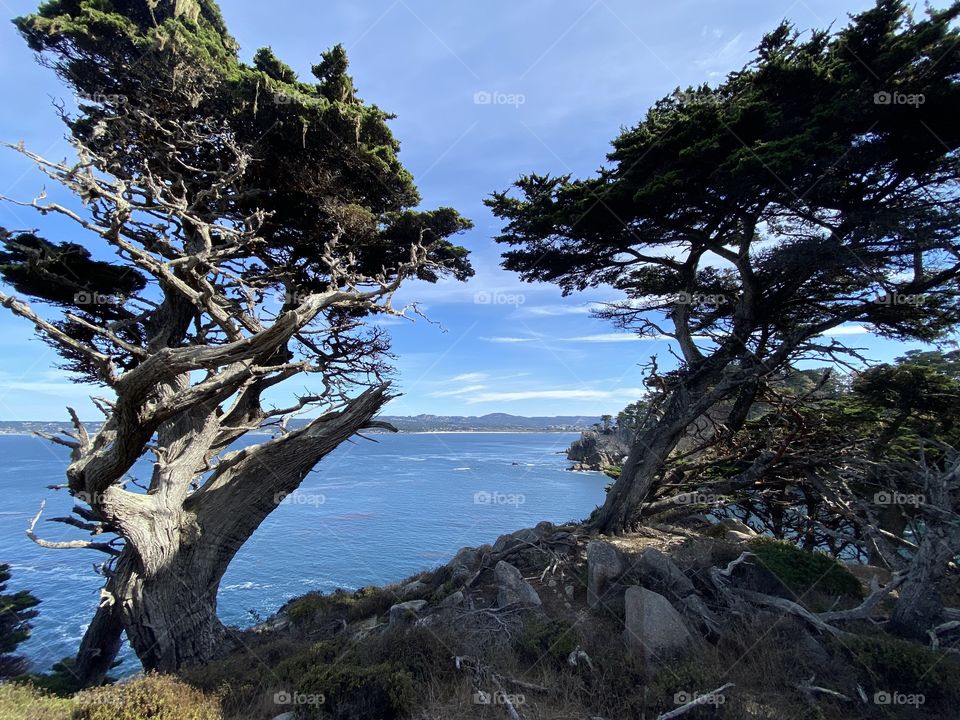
{"x":464,"y":564}
{"x":659,"y":572}
{"x":405,"y":612}
{"x":604,"y":565}
{"x":515,"y":540}
{"x":454,"y":600}
{"x":512,"y":589}
{"x":653,"y":629}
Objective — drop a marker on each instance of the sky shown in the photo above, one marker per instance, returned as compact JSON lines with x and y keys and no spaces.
{"x":484,"y":92}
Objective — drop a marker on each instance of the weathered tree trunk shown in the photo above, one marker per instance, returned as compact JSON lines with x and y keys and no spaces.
{"x":164,"y":587}
{"x":919,"y":607}
{"x":100,"y":644}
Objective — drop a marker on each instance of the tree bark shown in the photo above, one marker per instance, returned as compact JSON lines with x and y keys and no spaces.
{"x":164,"y":588}
{"x":695,"y":394}
{"x":919,"y":607}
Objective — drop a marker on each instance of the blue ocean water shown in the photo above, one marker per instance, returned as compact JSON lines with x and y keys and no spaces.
{"x":371,"y":513}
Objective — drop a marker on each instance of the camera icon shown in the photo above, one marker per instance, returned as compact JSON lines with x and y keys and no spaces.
{"x":882,"y":98}
{"x":282,"y":698}
{"x":883,"y":498}
{"x":482,"y":498}
{"x":882,"y":698}
{"x":682,"y":698}
{"x":482,"y":698}
{"x":482,"y":97}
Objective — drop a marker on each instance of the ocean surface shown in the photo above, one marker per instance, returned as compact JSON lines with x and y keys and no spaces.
{"x":370,"y":513}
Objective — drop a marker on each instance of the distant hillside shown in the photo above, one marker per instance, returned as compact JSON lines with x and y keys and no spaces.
{"x":420,"y":423}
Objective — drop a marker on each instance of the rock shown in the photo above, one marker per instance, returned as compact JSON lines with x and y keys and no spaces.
{"x":453,"y":601}
{"x":653,"y":629}
{"x":411,"y":589}
{"x":865,"y":573}
{"x":406,"y":611}
{"x":604,"y":564}
{"x":598,"y":450}
{"x":286,"y":716}
{"x":366,"y":624}
{"x":659,"y":572}
{"x":515,"y":540}
{"x":464,"y":564}
{"x":512,"y":589}
{"x":737,"y":526}
{"x":735,"y":536}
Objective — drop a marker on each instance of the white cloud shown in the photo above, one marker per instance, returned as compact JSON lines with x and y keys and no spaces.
{"x":846,"y":330}
{"x":560,"y":310}
{"x":623,"y":394}
{"x":469,"y":377}
{"x":459,"y":391}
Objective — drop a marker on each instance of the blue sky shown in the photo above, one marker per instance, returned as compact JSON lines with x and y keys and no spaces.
{"x":483,"y":92}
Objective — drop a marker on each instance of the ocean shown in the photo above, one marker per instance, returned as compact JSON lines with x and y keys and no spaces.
{"x":370,"y":513}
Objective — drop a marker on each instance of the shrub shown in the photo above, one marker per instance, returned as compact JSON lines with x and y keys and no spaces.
{"x":540,"y":638}
{"x":152,"y":697}
{"x":352,"y":692}
{"x":802,"y":571}
{"x":26,"y":702}
{"x":349,"y":606}
{"x":888,"y":664}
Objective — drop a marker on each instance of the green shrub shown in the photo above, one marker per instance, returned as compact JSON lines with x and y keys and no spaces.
{"x":887,"y":664}
{"x":348,"y":606}
{"x":26,"y":702}
{"x":802,"y":571}
{"x":152,"y":697}
{"x":351,"y":692}
{"x":541,"y":638}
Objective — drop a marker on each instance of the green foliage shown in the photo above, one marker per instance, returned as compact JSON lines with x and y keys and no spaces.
{"x":546,"y":639}
{"x":16,"y":611}
{"x":152,"y":697}
{"x":803,"y":571}
{"x":887,"y":664}
{"x":787,"y":163}
{"x":323,"y":165}
{"x":349,"y":606}
{"x":352,"y":692}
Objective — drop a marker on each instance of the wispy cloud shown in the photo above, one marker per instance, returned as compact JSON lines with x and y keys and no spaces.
{"x":469,"y":377}
{"x":458,"y":391}
{"x":598,"y":338}
{"x":624,"y":394}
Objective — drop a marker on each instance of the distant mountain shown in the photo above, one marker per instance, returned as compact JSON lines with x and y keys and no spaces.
{"x":419,"y":423}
